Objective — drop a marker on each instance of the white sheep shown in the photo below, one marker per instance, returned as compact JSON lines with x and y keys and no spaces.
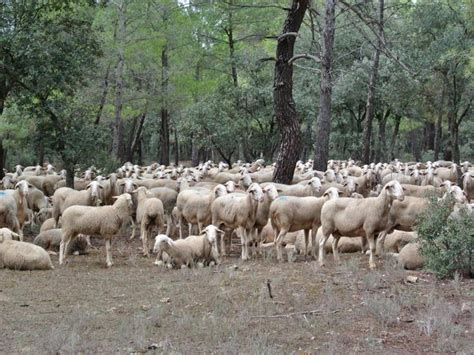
{"x":238,"y":211}
{"x":23,"y":256}
{"x":105,"y":221}
{"x":188,"y":251}
{"x":19,"y":195}
{"x":150,"y":213}
{"x":355,"y":217}
{"x":50,"y":240}
{"x":291,"y":213}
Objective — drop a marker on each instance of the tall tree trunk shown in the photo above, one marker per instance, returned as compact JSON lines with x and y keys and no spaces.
{"x":230,"y":41}
{"x":382,"y":146}
{"x":284,"y":105}
{"x":176,"y":147}
{"x":439,"y":127}
{"x":194,"y":152}
{"x":323,"y":124}
{"x":3,"y":96}
{"x":370,"y":106}
{"x":103,"y":98}
{"x":117,"y":139}
{"x":137,"y":136}
{"x":165,"y":129}
{"x":393,"y":142}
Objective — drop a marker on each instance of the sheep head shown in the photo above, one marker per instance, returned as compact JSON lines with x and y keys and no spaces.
{"x":162,"y":241}
{"x":351,"y":186}
{"x":230,"y":186}
{"x":95,"y":187}
{"x":271,"y":191}
{"x":394,"y":190}
{"x":23,"y":187}
{"x":332,"y":193}
{"x":219,"y":190}
{"x":211,"y":232}
{"x":245,"y":180}
{"x":255,"y":191}
{"x":315,"y":184}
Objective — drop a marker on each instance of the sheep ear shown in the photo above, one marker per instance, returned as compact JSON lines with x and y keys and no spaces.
{"x":404,"y":188}
{"x":115,"y":197}
{"x":100,"y":186}
{"x":220,"y":231}
{"x":30,"y":186}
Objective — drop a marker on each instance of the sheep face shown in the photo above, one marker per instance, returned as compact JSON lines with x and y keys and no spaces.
{"x":350,"y":185}
{"x":255,"y":192}
{"x":245,"y":180}
{"x":315,"y":183}
{"x":230,"y":186}
{"x":457,"y":193}
{"x":95,"y":188}
{"x":23,"y":187}
{"x":330,"y":175}
{"x":332,"y":193}
{"x":394,"y":190}
{"x":271,"y":191}
{"x":128,"y":185}
{"x":161,"y":241}
{"x":211,"y":235}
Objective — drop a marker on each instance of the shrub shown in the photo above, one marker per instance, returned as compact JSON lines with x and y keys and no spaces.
{"x":446,"y":244}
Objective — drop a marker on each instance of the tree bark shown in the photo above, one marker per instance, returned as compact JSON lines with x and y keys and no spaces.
{"x":370,"y":106}
{"x":136,"y":134}
{"x":229,"y":30}
{"x":439,"y":127}
{"x":3,"y":96}
{"x":382,"y":146}
{"x":117,"y":139}
{"x":284,"y":105}
{"x":165,"y":129}
{"x":103,"y":98}
{"x":393,"y":142}
{"x":176,"y":147}
{"x":323,"y":124}
{"x":194,"y":152}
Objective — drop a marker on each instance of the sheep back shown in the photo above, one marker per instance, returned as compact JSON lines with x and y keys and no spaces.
{"x":23,"y":256}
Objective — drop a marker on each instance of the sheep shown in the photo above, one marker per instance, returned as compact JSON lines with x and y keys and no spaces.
{"x":110,"y":189}
{"x":48,"y":224}
{"x":168,"y":197}
{"x":222,"y":178}
{"x":23,"y":256}
{"x":66,"y":197}
{"x":151,"y":183}
{"x":345,"y":245}
{"x":20,"y":195}
{"x":150,"y":213}
{"x":193,"y":249}
{"x":311,"y":188}
{"x":468,"y":185}
{"x":238,"y":211}
{"x":8,"y":212}
{"x":450,"y":173}
{"x":194,"y":206}
{"x":430,"y":178}
{"x":364,"y":182}
{"x":104,"y":220}
{"x":419,"y":191}
{"x":43,"y":214}
{"x":290,"y":214}
{"x":403,"y":216}
{"x":50,"y":240}
{"x":401,"y":178}
{"x":396,"y":240}
{"x":410,"y":258}
{"x":7,"y":234}
{"x":352,"y":217}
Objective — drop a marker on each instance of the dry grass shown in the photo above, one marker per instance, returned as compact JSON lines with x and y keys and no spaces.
{"x":137,"y":307}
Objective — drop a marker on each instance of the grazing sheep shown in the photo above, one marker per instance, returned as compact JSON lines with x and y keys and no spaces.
{"x":23,"y":256}
{"x":193,"y":249}
{"x":355,"y":217}
{"x":66,"y":197}
{"x":48,"y":224}
{"x":290,"y":214}
{"x":50,"y":240}
{"x":104,"y":220}
{"x":238,"y":211}
{"x":7,"y":234}
{"x":410,"y":258}
{"x":150,"y":213}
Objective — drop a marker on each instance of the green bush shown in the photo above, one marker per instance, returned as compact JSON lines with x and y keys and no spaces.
{"x":447,"y":244}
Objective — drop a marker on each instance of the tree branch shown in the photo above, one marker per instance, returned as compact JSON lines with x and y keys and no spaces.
{"x":303,"y":56}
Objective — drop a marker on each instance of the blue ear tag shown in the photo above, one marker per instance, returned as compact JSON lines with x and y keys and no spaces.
{"x":284,"y":198}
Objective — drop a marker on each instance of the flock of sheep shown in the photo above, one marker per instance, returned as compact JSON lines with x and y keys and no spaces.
{"x":347,"y":208}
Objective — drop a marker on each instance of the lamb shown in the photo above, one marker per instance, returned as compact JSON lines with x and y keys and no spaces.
{"x":168,"y":197}
{"x":23,"y":256}
{"x":66,"y":197}
{"x":50,"y":241}
{"x":150,"y":213}
{"x":353,"y":217}
{"x":290,"y":214}
{"x":238,"y":211}
{"x":193,"y":249}
{"x":104,"y":220}
{"x":410,"y":258}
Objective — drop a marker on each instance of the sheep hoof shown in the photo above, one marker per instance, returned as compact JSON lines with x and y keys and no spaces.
{"x":169,"y":266}
{"x":372,"y":265}
{"x":200,"y":265}
{"x":109,"y":264}
{"x":212,"y":263}
{"x":183,"y":266}
{"x":75,"y":253}
{"x":159,"y":262}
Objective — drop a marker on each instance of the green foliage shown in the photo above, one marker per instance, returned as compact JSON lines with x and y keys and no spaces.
{"x":447,"y":244}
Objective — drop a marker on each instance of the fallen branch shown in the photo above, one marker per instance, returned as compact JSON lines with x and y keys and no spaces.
{"x":288,"y":315}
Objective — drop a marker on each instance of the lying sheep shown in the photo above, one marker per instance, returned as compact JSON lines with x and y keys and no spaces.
{"x":23,"y":256}
{"x":396,"y":240}
{"x":150,"y":213}
{"x":188,"y":251}
{"x":354,"y":217}
{"x":104,"y":220}
{"x":290,"y":214}
{"x":410,"y":258}
{"x":50,"y":240}
{"x":345,"y":245}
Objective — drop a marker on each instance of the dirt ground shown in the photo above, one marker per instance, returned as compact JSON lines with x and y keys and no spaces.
{"x":138,"y":307}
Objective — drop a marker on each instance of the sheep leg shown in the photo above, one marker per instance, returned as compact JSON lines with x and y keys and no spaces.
{"x":134,"y":227}
{"x":306,"y":242}
{"x":63,"y":247}
{"x":371,"y":239}
{"x":243,"y":241}
{"x":278,"y":242}
{"x":168,"y":225}
{"x":190,"y":229}
{"x":380,"y":243}
{"x":364,"y":246}
{"x":223,"y":251}
{"x":180,"y":226}
{"x":108,"y":259}
{"x":322,"y":251}
{"x":313,"y":241}
{"x":144,"y":237}
{"x":335,"y":241}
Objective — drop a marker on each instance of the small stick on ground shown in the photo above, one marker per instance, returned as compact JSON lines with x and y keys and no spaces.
{"x":269,"y":286}
{"x":288,"y":315}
